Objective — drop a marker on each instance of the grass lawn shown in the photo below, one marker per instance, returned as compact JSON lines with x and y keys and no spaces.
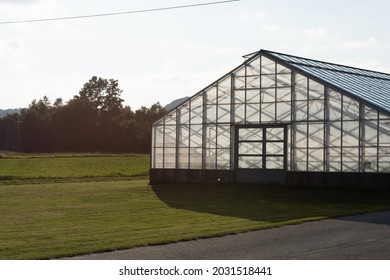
{"x":40,"y":221}
{"x":25,"y":168}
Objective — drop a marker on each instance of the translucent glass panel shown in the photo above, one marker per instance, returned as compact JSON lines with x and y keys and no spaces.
{"x":170,"y":146}
{"x":217,"y":147}
{"x":250,"y":162}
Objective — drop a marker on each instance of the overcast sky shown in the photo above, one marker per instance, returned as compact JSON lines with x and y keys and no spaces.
{"x":165,"y":55}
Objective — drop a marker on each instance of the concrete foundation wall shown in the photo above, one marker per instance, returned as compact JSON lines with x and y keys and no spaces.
{"x":276,"y":177}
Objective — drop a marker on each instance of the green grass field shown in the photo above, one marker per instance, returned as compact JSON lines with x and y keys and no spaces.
{"x":27,"y":168}
{"x":49,"y":220}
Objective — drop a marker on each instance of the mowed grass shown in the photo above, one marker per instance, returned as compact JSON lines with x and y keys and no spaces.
{"x":64,"y":219}
{"x":24,"y":167}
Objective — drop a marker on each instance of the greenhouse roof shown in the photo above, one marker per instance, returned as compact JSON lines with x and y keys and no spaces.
{"x":369,"y":86}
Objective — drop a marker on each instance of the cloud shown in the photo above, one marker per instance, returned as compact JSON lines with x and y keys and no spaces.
{"x":369,"y":43}
{"x":27,"y":9}
{"x":367,"y":63}
{"x":316,"y":33}
{"x":260,"y":15}
{"x":253,"y":16}
{"x":270,"y":28}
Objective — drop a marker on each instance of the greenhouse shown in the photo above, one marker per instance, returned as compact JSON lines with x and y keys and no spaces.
{"x":279,"y":119}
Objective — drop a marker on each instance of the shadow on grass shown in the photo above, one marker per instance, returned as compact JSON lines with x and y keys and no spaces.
{"x":271,"y":203}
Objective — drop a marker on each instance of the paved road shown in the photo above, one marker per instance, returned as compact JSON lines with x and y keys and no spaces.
{"x":356,"y":237}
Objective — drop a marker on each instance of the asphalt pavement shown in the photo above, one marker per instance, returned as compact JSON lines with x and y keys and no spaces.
{"x":361,"y":237}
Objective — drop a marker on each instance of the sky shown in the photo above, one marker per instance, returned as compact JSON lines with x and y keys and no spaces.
{"x":165,"y":55}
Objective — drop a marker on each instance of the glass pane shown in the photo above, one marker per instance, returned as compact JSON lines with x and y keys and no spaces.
{"x":253,"y":67}
{"x":334,"y":105}
{"x":283,"y":94}
{"x":300,"y":160}
{"x":239,"y":82}
{"x":182,"y":158}
{"x":283,"y":111}
{"x":223,"y":159}
{"x":267,"y":66}
{"x":334,"y":159}
{"x":171,"y":118}
{"x":239,"y":113}
{"x":370,"y":114}
{"x":268,"y":112}
{"x":351,"y":133}
{"x":170,"y":136}
{"x":211,"y":113}
{"x":301,"y":135}
{"x":384,"y":159}
{"x":253,"y":113}
{"x":370,"y":159}
{"x":268,"y":81}
{"x":274,"y":148}
{"x":250,"y":148}
{"x":283,"y":80}
{"x":370,"y":133}
{"x":196,"y":114}
{"x":384,"y":133}
{"x":316,"y":135}
{"x":316,"y":109}
{"x":170,"y":158}
{"x":383,"y":116}
{"x":224,"y":91}
{"x":335,"y":134}
{"x":195,"y":158}
{"x":239,"y":96}
{"x":316,"y":90}
{"x":210,"y":159}
{"x":350,"y":109}
{"x":300,"y":110}
{"x":184,"y":135}
{"x":350,"y":159}
{"x":224,"y":113}
{"x":316,"y":160}
{"x":211,"y":95}
{"x":158,"y":159}
{"x":275,"y":133}
{"x":253,"y":96}
{"x":253,"y":82}
{"x":184,"y":114}
{"x":196,"y":136}
{"x":211,"y":137}
{"x":274,"y":162}
{"x":300,"y":87}
{"x":223,"y":136}
{"x":250,"y":134}
{"x":158,"y":135}
{"x":250,"y":162}
{"x":268,"y":95}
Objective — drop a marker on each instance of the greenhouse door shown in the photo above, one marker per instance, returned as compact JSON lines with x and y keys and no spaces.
{"x":261,"y":154}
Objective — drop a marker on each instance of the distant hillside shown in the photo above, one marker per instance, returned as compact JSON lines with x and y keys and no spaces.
{"x":175,"y":103}
{"x":9,"y":111}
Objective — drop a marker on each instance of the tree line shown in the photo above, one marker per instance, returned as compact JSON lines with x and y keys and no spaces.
{"x":95,"y":120}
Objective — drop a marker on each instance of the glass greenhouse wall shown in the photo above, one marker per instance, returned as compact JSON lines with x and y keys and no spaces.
{"x":271,"y":113}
